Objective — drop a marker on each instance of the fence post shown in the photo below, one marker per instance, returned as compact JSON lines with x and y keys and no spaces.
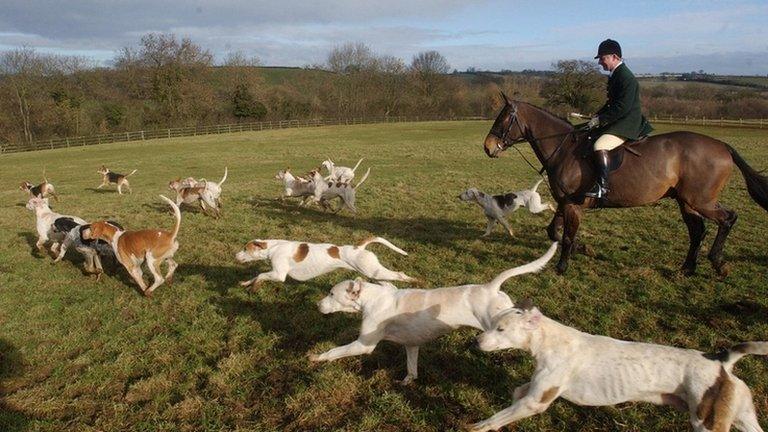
{"x":67,"y":143}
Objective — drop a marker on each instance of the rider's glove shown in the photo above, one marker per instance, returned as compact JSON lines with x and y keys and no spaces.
{"x":593,"y":122}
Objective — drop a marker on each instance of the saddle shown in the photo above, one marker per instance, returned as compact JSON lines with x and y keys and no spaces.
{"x":616,"y":155}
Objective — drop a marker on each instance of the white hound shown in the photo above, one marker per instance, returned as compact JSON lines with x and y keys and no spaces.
{"x":44,"y":222}
{"x":591,"y":370}
{"x":339,"y":173}
{"x":346,"y":192}
{"x":413,"y":317}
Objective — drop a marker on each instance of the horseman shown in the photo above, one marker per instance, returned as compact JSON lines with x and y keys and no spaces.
{"x":620,"y":119}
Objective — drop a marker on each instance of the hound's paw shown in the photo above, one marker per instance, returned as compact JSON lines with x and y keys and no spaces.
{"x":314,"y":357}
{"x":478,"y":427}
{"x":246,"y":283}
{"x":409,"y":379}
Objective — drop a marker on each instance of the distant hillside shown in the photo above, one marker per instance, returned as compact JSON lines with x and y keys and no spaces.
{"x":275,"y":75}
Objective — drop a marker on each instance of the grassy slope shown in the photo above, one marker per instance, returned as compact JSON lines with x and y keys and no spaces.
{"x":205,"y":354}
{"x":280,"y":75}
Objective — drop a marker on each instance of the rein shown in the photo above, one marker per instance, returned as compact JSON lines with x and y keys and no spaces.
{"x":505,"y":142}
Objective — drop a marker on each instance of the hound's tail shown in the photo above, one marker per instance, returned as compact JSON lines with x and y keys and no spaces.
{"x":383,"y":241}
{"x":536,"y":186}
{"x":176,"y":214}
{"x":132,"y":173}
{"x":358,"y":164}
{"x":531,"y":267}
{"x":364,"y":177}
{"x":736,"y":352}
{"x":45,"y":179}
{"x":225,"y":176}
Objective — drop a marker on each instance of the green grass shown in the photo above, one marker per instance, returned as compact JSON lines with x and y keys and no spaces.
{"x":206,"y":354}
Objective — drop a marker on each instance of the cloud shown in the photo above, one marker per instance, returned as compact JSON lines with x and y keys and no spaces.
{"x":467,"y":33}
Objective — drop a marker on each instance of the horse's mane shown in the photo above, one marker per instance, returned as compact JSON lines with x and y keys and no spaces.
{"x":563,"y":119}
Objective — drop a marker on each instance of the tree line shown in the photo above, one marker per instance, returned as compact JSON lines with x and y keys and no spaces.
{"x":165,"y":81}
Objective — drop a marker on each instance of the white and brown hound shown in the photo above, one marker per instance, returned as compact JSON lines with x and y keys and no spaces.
{"x":303,"y":261}
{"x":133,"y":248}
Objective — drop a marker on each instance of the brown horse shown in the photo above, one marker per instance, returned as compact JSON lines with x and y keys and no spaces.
{"x":688,"y":167}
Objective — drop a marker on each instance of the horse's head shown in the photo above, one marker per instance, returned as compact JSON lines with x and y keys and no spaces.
{"x":506,"y":130}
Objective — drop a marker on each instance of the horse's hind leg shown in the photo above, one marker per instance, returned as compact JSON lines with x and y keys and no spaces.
{"x":725,"y":220}
{"x":696,"y":233}
{"x":571,"y":222}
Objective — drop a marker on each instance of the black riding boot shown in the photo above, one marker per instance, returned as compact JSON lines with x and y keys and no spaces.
{"x":601,"y":166}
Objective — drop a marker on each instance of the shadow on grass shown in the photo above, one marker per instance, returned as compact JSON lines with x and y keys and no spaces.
{"x":433,"y":230}
{"x":747,"y":312}
{"x":11,"y":364}
{"x":31,"y":240}
{"x":102,"y":191}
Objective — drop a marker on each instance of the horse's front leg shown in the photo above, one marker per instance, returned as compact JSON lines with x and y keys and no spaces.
{"x":553,"y":230}
{"x":571,"y":221}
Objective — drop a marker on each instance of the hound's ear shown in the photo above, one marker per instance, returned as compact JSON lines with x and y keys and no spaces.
{"x":533,"y":319}
{"x":353,"y":290}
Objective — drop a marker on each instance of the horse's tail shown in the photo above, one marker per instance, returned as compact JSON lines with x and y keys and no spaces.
{"x":757,"y":184}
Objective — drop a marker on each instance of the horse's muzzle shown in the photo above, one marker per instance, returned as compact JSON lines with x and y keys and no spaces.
{"x":492,"y":146}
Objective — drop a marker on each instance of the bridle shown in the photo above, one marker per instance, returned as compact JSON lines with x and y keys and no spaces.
{"x":504,"y":138}
{"x":504,"y":141}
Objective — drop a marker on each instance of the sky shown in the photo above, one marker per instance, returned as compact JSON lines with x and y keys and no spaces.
{"x":725,"y":37}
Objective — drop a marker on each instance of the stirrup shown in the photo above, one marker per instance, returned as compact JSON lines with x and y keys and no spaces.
{"x":598,"y":191}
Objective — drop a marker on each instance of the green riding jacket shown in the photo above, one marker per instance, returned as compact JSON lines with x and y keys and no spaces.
{"x":621,"y":115}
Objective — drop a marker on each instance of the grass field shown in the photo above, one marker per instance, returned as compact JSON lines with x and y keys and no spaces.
{"x":206,"y":354}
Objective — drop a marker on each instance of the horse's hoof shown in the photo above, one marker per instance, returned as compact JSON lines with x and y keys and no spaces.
{"x":688,"y":271}
{"x":723,"y":270}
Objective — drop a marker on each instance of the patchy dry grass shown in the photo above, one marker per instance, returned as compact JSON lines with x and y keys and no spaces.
{"x":205,"y":354}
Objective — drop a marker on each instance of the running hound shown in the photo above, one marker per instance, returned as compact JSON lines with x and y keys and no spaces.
{"x":303,"y":261}
{"x":591,"y":370}
{"x":413,"y":317}
{"x":497,"y":207}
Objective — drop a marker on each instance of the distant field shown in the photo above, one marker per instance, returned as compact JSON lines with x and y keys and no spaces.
{"x":280,"y":75}
{"x":206,"y":354}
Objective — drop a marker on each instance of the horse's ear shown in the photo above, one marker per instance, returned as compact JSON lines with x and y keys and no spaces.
{"x":506,"y":99}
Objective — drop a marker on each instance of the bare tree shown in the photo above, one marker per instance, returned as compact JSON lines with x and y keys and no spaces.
{"x":427,"y":72}
{"x":177,"y":72}
{"x":24,"y":71}
{"x":430,"y":63}
{"x":350,"y":58}
{"x":577,"y":85}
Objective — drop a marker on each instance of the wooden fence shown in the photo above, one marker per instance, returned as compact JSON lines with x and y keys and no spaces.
{"x":207,"y":130}
{"x":750,"y":123}
{"x":285,"y":124}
